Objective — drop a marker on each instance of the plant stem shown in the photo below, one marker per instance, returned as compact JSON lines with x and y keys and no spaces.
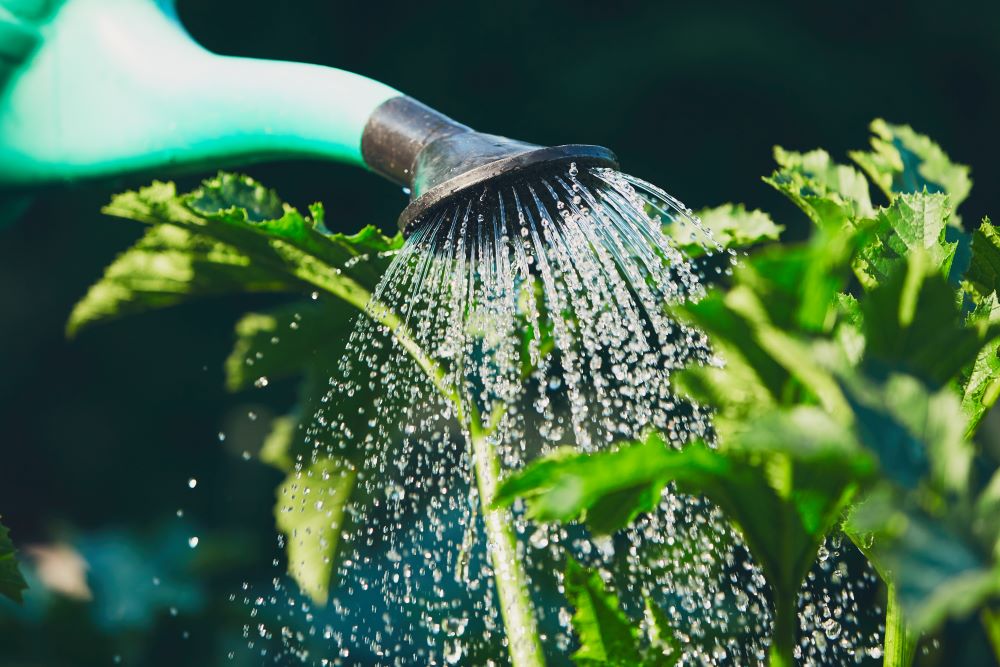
{"x":784,"y":636}
{"x":991,"y":623}
{"x":523,"y":643}
{"x":900,"y":643}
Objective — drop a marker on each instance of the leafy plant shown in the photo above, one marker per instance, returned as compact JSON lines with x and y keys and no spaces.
{"x":12,"y":584}
{"x":607,"y":636}
{"x":233,"y":235}
{"x":857,"y":368}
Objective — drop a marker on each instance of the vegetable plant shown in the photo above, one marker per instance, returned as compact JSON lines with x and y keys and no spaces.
{"x":856,"y":368}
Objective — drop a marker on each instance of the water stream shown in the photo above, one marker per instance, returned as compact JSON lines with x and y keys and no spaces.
{"x":528,"y":317}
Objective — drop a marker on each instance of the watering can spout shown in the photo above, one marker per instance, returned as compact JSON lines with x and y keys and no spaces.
{"x":111,"y":87}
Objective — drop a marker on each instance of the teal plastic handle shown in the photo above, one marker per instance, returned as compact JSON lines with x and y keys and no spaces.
{"x":118,"y":86}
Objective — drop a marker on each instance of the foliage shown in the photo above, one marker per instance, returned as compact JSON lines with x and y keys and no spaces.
{"x":730,"y":225}
{"x":230,"y":235}
{"x":12,"y":583}
{"x":857,"y":367}
{"x":607,"y":636}
{"x":233,"y":235}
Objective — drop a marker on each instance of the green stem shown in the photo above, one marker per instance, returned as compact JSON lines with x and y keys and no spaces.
{"x":523,"y":643}
{"x":900,"y":643}
{"x":784,"y":636}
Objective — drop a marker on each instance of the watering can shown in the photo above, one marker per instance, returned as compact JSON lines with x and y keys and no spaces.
{"x":102,"y":88}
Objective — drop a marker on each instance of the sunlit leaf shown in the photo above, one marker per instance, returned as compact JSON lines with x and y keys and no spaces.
{"x":729,"y":225}
{"x":902,"y":160}
{"x":606,"y":635}
{"x":916,"y":433}
{"x":912,"y":323}
{"x":310,"y":513}
{"x":222,"y":239}
{"x":912,"y":223}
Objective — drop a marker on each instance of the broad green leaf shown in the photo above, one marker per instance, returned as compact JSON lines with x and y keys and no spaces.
{"x":606,"y":635}
{"x":913,"y":223}
{"x":983,"y":277}
{"x":290,"y":340}
{"x":12,"y":584}
{"x":913,"y":324}
{"x":310,"y":513}
{"x":833,"y":196}
{"x":829,"y":178}
{"x":223,"y":239}
{"x":728,"y":226}
{"x":827,"y":210}
{"x":916,"y":433}
{"x":783,"y":482}
{"x":937,"y":572}
{"x":982,"y":386}
{"x":902,"y":161}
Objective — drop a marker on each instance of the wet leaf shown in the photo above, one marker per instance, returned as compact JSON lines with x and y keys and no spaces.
{"x":606,"y":635}
{"x":12,"y":584}
{"x":983,"y":277}
{"x":730,"y":226}
{"x":783,"y":482}
{"x":222,"y":239}
{"x":912,"y":323}
{"x":937,"y":571}
{"x":310,"y":513}
{"x":902,"y":161}
{"x":913,"y":223}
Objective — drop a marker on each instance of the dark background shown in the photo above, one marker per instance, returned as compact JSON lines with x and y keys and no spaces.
{"x":100,"y":434}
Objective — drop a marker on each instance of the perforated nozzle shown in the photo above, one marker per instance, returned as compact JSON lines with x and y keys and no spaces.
{"x":439,"y":159}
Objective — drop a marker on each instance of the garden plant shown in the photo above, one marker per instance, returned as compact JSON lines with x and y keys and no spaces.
{"x":853,"y":370}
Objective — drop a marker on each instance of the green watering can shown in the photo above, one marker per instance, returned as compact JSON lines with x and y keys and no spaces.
{"x":100,"y":88}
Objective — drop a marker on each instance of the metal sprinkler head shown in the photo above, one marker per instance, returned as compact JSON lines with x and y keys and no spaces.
{"x":439,"y":159}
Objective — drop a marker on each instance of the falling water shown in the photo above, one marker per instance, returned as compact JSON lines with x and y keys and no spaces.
{"x":527,"y":317}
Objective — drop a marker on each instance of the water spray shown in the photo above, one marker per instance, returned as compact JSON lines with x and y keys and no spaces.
{"x":501,"y":233}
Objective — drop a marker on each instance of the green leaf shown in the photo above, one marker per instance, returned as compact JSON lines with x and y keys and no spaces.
{"x":666,"y":650}
{"x":936,"y":571}
{"x":914,"y":223}
{"x":983,"y":277}
{"x":981,"y":387}
{"x":310,"y":513}
{"x":902,"y":161}
{"x":606,"y":635}
{"x":915,"y":432}
{"x":828,"y":178}
{"x":729,"y":226}
{"x":288,"y":341}
{"x":783,"y":482}
{"x":229,"y":236}
{"x":12,"y":584}
{"x":913,"y":324}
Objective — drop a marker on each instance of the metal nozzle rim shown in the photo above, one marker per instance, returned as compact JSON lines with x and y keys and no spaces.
{"x":505,"y":168}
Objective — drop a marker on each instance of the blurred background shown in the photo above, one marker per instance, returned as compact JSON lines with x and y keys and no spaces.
{"x":103,"y":434}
